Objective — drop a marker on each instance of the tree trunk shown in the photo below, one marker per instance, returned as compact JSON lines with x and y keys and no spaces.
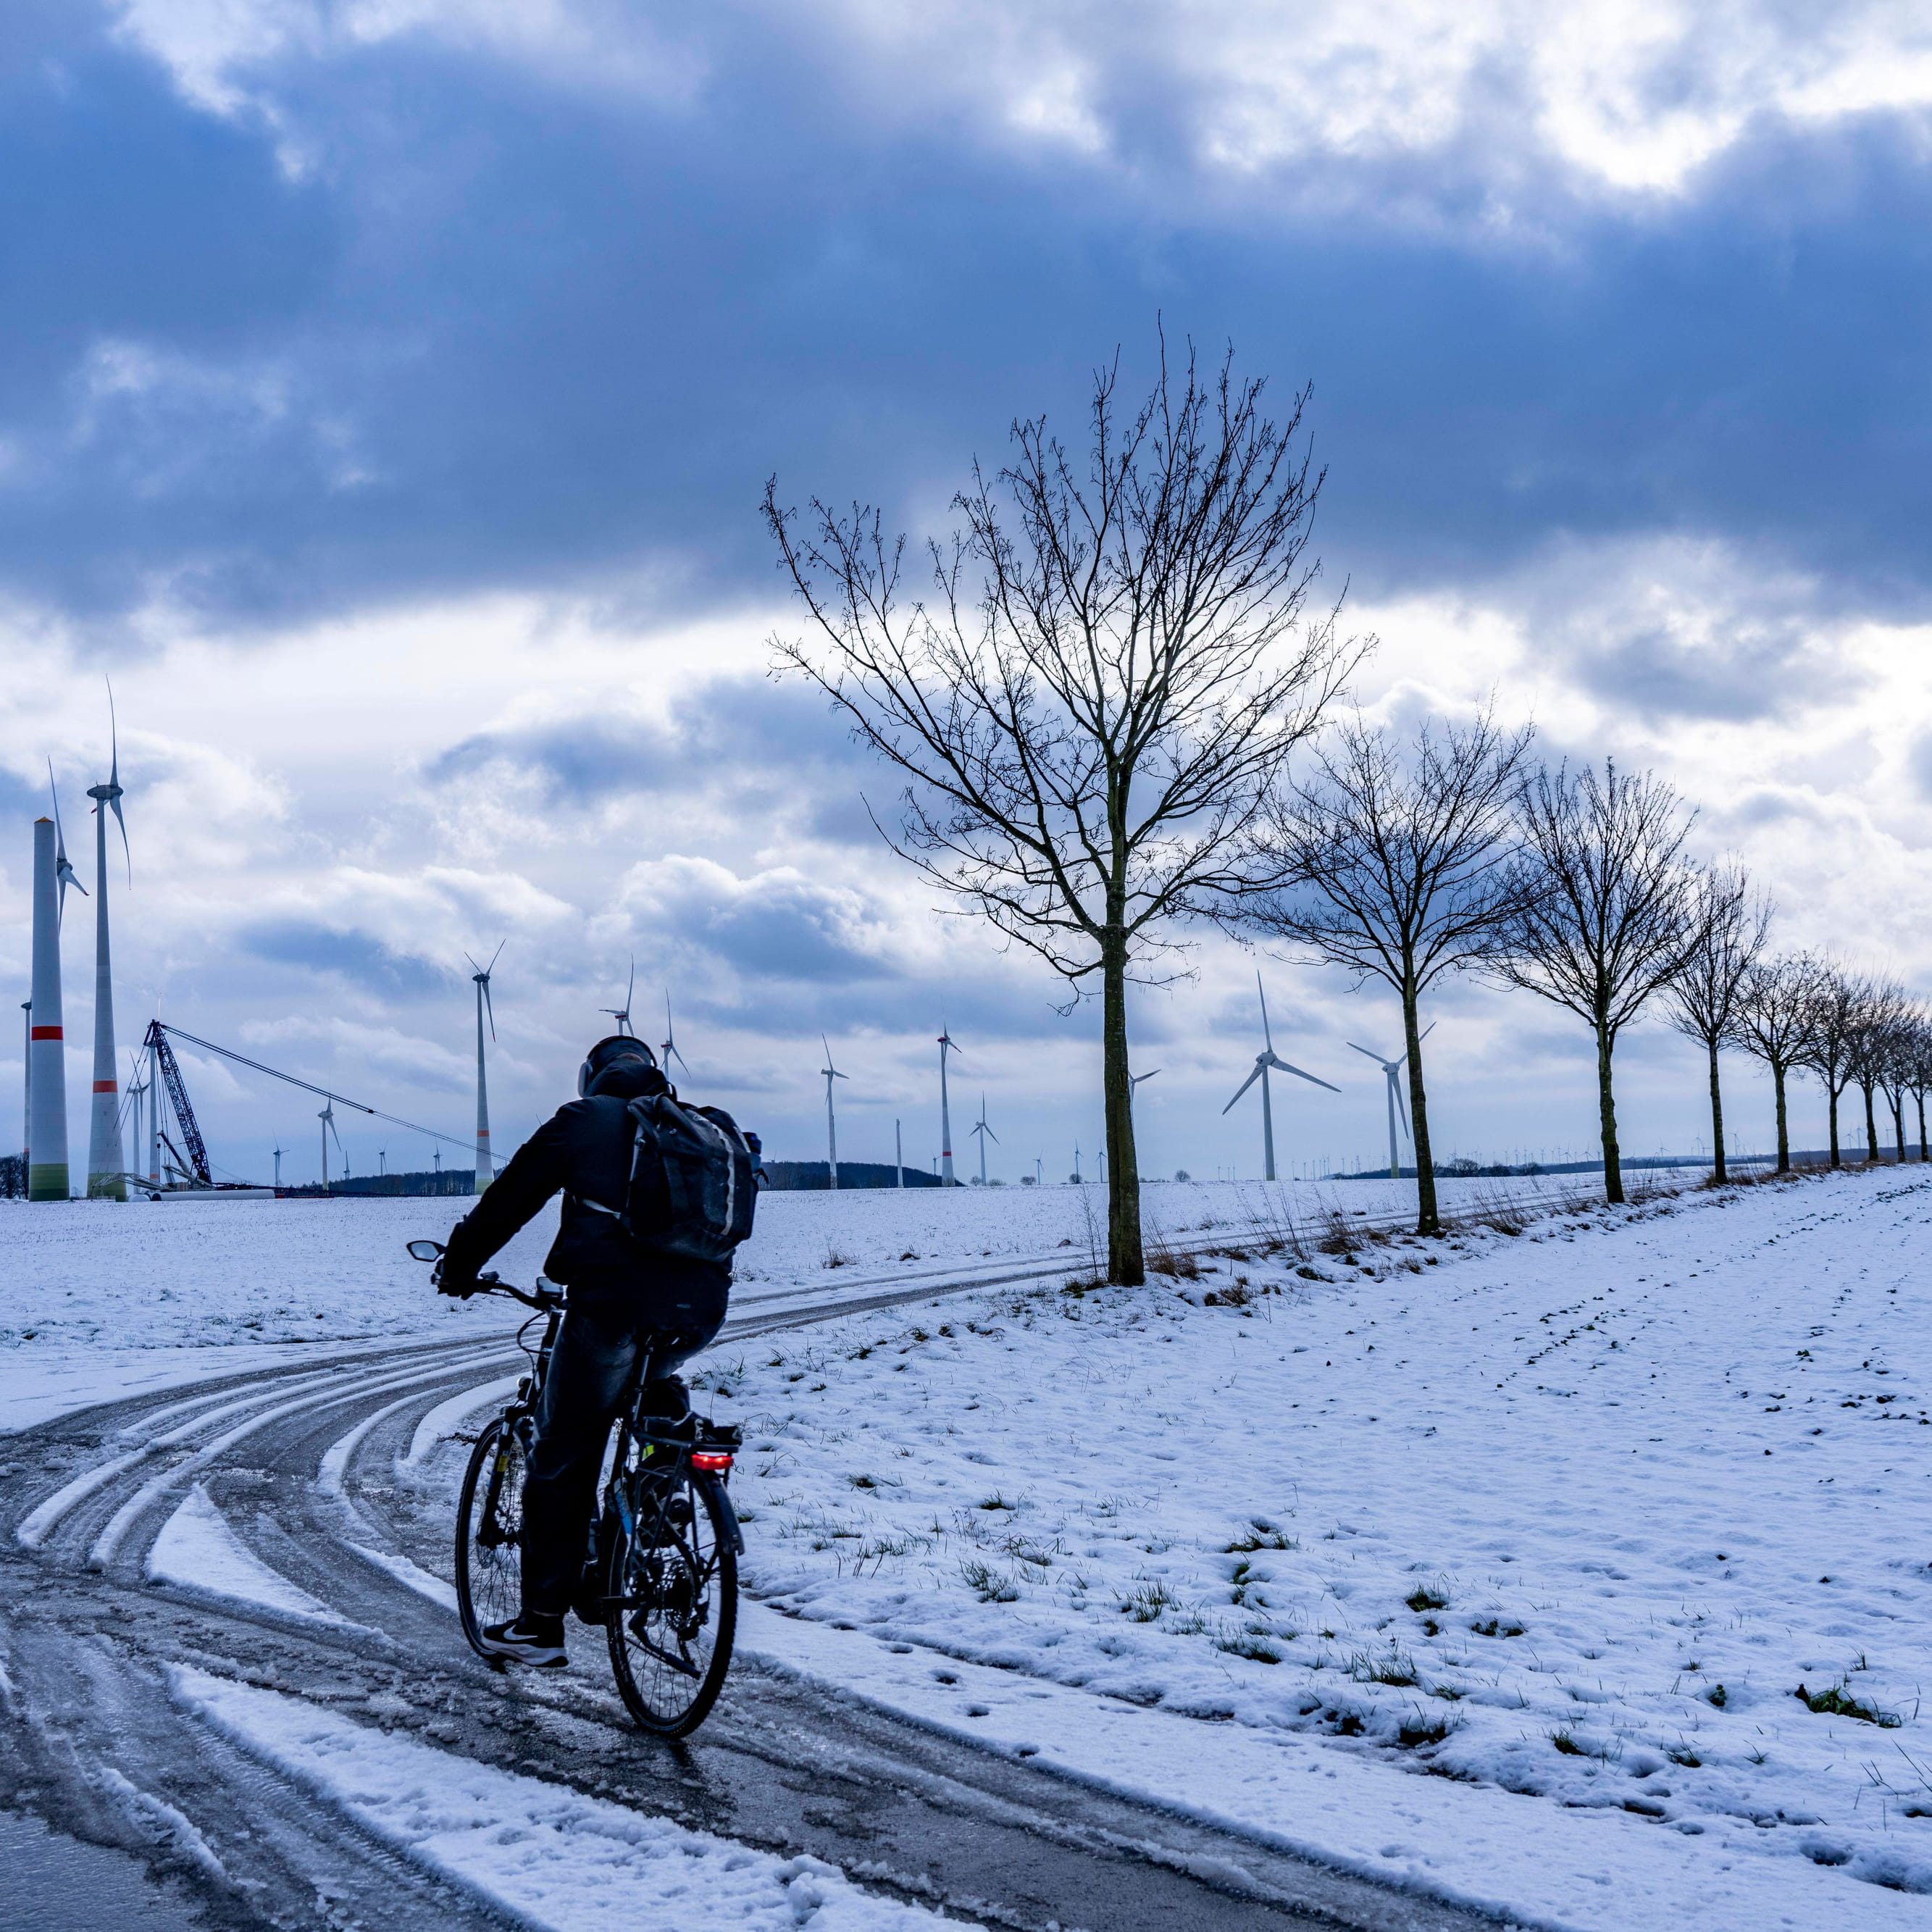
{"x":1871,"y":1125}
{"x":1428,"y":1219}
{"x":1717,"y":1173}
{"x":1607,"y":1107}
{"x":1784,"y":1122}
{"x":1924,"y":1154}
{"x":1125,"y":1263}
{"x":1838,"y":1160}
{"x":1897,"y":1103}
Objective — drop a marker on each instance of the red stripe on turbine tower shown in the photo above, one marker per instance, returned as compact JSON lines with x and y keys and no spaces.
{"x":107,"y":1087}
{"x":47,"y":1032}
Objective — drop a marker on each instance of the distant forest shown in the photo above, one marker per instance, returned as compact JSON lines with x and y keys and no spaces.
{"x":799,"y":1175}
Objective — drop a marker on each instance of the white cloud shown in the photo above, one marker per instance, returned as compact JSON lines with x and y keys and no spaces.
{"x":1501,"y":99}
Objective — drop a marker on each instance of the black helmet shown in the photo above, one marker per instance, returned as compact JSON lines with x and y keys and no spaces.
{"x":620,"y":1065}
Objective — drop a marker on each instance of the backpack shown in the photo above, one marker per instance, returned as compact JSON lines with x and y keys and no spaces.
{"x":694,"y":1180}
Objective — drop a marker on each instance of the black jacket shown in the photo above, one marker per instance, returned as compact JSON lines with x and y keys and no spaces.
{"x":584,"y":1149}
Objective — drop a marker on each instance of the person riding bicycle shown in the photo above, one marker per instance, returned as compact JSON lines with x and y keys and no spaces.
{"x":628,"y":1310}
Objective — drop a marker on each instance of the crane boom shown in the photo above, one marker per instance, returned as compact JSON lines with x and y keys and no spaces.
{"x":171,"y":1078}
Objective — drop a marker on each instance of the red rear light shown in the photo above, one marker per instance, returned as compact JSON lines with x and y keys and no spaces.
{"x":715,"y":1460}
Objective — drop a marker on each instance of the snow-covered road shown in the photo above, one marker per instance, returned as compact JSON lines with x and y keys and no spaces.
{"x":228,"y":1644}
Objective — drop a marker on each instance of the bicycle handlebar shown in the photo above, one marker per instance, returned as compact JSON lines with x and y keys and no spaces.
{"x":542,"y":1300}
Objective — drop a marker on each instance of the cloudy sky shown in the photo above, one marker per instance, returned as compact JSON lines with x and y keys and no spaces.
{"x":387,"y":386}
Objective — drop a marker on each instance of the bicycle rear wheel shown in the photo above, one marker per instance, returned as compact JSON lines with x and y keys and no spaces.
{"x":490,"y":1533}
{"x":673,"y":1608}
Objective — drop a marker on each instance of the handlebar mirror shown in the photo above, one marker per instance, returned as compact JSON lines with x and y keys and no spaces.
{"x":426,"y":1251}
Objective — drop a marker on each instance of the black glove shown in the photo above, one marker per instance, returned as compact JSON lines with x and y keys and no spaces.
{"x":459,"y":1287}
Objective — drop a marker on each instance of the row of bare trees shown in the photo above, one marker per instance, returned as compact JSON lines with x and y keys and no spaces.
{"x":1091,"y":713}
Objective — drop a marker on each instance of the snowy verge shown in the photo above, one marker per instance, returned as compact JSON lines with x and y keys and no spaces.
{"x":1587,"y":1869}
{"x":545,"y":1853}
{"x":1558,"y":1520}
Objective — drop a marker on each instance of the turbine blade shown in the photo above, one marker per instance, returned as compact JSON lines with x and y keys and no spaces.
{"x":126,"y":850}
{"x":1426,"y":1031}
{"x":1283,"y":1066}
{"x":1266,"y":1035}
{"x":1402,"y":1108}
{"x":1255,"y":1075}
{"x":630,"y":986}
{"x":497,"y":955}
{"x":113,"y":735}
{"x":995,"y":1137}
{"x":489,"y":1004}
{"x":1375,"y":1056}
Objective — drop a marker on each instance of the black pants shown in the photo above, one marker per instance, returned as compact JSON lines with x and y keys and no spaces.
{"x":600,"y":1357}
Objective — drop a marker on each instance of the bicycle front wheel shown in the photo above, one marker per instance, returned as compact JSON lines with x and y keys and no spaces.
{"x":673,"y":1608}
{"x":490,"y":1533}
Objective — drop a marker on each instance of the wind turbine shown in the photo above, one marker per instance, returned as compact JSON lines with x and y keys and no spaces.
{"x":1134,"y":1079}
{"x":1392,"y":1070}
{"x":946,"y":1046}
{"x":1264,"y":1060}
{"x":982,"y":1133}
{"x":106,"y":1177}
{"x":47,"y":1040}
{"x":327,"y":1118}
{"x":671,"y":1052}
{"x":277,"y":1152}
{"x":831,"y":1073}
{"x":485,"y":1173}
{"x":63,"y":872}
{"x":622,"y":1015}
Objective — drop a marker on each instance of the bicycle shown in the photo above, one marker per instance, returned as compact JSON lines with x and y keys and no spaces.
{"x":667,"y":1539}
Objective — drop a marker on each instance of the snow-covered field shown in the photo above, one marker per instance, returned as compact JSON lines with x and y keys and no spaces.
{"x":1567,"y":1518}
{"x":97,"y":1297}
{"x":1492,"y":1567}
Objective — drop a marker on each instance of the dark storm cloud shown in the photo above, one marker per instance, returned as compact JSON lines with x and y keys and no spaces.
{"x":1735,"y":678}
{"x":504,"y":333}
{"x":752,"y":747}
{"x":351,"y":955}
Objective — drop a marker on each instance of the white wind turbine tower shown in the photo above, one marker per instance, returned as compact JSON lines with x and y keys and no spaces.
{"x":622,"y":1015}
{"x":1392,"y":1071}
{"x":671,"y":1052}
{"x":485,"y":1172}
{"x":981,"y":1133}
{"x":47,"y":1040}
{"x":327,"y":1118}
{"x":1266,"y":1059}
{"x":105,"y":1174}
{"x":831,"y":1073}
{"x":277,"y":1152}
{"x":946,"y":1046}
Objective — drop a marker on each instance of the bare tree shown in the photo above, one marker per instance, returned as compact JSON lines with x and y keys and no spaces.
{"x":1921,"y":1075}
{"x":1728,"y":930}
{"x":1094,"y":701}
{"x":1395,"y":868}
{"x":1837,"y":1003}
{"x":1604,"y":910}
{"x":1775,"y":1006}
{"x":1868,"y":1046}
{"x":1897,"y":1061}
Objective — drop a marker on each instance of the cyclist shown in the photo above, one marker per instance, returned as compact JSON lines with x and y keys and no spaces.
{"x":629,"y":1311}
